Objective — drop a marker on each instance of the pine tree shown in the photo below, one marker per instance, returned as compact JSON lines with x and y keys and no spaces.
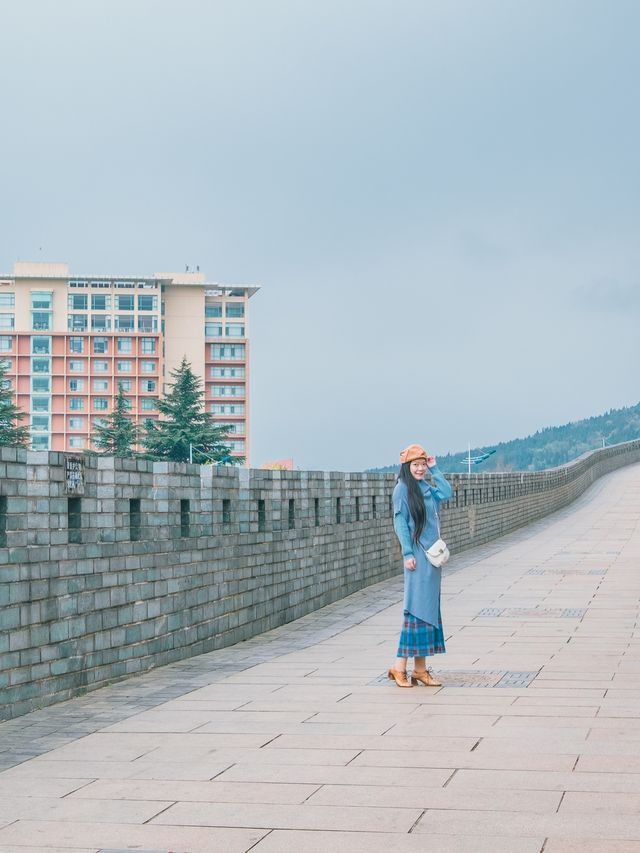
{"x":11,"y":433}
{"x":185,"y":430}
{"x":119,"y":434}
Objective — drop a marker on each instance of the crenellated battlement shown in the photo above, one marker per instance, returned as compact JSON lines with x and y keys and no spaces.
{"x":109,"y":567}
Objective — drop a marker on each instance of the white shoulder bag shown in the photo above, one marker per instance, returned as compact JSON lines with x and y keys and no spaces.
{"x":438,"y":553}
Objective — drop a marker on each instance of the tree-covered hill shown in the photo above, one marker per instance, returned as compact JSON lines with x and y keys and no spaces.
{"x":550,"y":446}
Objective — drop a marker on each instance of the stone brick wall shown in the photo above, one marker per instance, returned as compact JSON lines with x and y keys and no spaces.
{"x":109,"y":567}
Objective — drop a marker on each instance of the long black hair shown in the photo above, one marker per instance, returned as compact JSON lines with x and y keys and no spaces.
{"x":415,"y":498}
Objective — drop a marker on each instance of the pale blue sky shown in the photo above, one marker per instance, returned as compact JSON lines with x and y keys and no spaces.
{"x":439,"y":199}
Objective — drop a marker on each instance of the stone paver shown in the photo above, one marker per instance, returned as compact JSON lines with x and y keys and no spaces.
{"x":295,"y":740}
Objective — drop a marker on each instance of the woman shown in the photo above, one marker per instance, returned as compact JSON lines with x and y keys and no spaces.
{"x":415,"y":520}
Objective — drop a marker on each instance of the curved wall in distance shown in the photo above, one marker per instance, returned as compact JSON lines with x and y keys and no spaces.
{"x":109,"y":567}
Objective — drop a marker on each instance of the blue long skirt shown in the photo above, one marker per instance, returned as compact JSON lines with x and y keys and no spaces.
{"x":420,"y":639}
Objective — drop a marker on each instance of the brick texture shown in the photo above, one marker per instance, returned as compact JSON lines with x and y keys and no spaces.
{"x":94,"y":588}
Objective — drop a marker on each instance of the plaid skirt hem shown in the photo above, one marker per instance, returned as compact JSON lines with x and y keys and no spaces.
{"x":420,"y":639}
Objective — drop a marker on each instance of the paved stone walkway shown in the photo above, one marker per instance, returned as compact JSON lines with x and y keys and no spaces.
{"x":295,"y":741}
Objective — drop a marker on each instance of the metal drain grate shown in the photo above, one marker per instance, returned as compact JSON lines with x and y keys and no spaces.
{"x":472,"y":678}
{"x":534,"y":612}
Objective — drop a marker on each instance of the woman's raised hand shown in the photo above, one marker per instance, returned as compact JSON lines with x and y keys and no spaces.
{"x":431,"y":461}
{"x":410,"y":563}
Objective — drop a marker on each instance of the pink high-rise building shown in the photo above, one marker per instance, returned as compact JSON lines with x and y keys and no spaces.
{"x":68,"y":342}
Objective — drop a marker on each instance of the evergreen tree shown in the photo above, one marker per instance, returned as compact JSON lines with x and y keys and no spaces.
{"x":119,"y":434}
{"x":185,"y":430}
{"x":11,"y":433}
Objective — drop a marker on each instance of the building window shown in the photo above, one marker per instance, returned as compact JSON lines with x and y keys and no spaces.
{"x":100,"y":301}
{"x":7,"y":300}
{"x":40,"y":423}
{"x":42,"y":299}
{"x":227,"y":372}
{"x":100,"y":384}
{"x":213,"y":309}
{"x":6,"y":343}
{"x":6,"y":364}
{"x":147,"y":366}
{"x":41,"y":365}
{"x":148,"y":404}
{"x":40,"y":404}
{"x":100,"y":366}
{"x":228,"y":352}
{"x":147,"y":385}
{"x":125,"y":345}
{"x":100,"y":322}
{"x":76,"y":441}
{"x":227,"y":390}
{"x":100,"y":284}
{"x":235,"y":309}
{"x":124,"y":384}
{"x":77,"y":283}
{"x":39,"y":442}
{"x":40,"y":346}
{"x":227,"y":408}
{"x":100,"y":345}
{"x":237,"y":446}
{"x":147,"y":346}
{"x":236,"y":428}
{"x":76,"y":385}
{"x":234,"y":330}
{"x":124,"y":366}
{"x":213,"y":330}
{"x":76,"y":403}
{"x":77,"y":323}
{"x":41,"y":321}
{"x":40,"y":385}
{"x":100,"y":404}
{"x":77,"y":302}
{"x":125,"y":284}
{"x":124,"y":323}
{"x":7,"y":321}
{"x":76,"y":423}
{"x":76,"y":365}
{"x":147,"y":324}
{"x":147,"y":303}
{"x":125,"y":302}
{"x":76,"y":344}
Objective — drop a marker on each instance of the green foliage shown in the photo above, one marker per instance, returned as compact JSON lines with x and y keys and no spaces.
{"x":184,"y":426}
{"x":549,"y":447}
{"x":11,"y":433}
{"x":119,"y":434}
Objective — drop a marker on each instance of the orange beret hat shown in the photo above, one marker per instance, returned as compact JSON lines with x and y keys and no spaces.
{"x":414,"y":451}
